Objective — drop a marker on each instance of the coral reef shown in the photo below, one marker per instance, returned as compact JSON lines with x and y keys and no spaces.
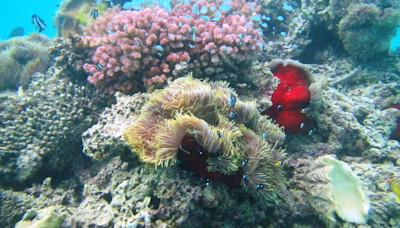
{"x":39,"y":126}
{"x":335,"y":188}
{"x":286,"y":27}
{"x":152,"y":46}
{"x":396,"y":133}
{"x":45,"y":218}
{"x":73,"y":14}
{"x":127,"y":193}
{"x":105,"y":138}
{"x":210,"y":132}
{"x":374,"y":179}
{"x":309,"y":31}
{"x":395,"y":186}
{"x":70,"y":55}
{"x":367,"y":30}
{"x":21,"y":57}
{"x":350,"y":118}
{"x":179,"y":157}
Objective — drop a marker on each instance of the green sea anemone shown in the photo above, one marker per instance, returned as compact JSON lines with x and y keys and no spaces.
{"x":367,"y":30}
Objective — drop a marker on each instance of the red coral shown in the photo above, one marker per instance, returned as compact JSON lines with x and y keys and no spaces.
{"x":289,"y":98}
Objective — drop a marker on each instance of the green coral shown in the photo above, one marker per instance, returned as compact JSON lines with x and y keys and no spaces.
{"x":367,"y":29}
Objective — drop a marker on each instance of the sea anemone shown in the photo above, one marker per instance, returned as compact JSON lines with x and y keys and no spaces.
{"x":190,"y":124}
{"x":367,"y":30}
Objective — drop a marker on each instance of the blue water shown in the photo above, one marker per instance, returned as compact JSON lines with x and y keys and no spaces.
{"x":395,"y":42}
{"x":18,"y":14}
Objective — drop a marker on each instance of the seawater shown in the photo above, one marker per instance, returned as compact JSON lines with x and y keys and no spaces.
{"x":395,"y":42}
{"x":18,"y":14}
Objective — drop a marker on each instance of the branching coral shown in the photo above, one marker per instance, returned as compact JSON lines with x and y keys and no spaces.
{"x":367,"y":30}
{"x":197,"y":124}
{"x":153,"y":45}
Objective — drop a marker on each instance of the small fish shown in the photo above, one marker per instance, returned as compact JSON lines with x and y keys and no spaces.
{"x":304,"y":111}
{"x":151,"y":88}
{"x":245,"y":176}
{"x":217,"y":16}
{"x":232,"y":115}
{"x":109,"y":2}
{"x":159,"y":47}
{"x":232,"y":101}
{"x":395,"y":185}
{"x":279,"y":163}
{"x":282,"y":162}
{"x":18,"y":31}
{"x":279,"y":106}
{"x":259,"y":186}
{"x":219,"y":134}
{"x":38,"y":22}
{"x":94,"y":13}
{"x":244,"y":163}
{"x":302,"y":125}
{"x":312,"y":131}
{"x":99,"y":66}
{"x":264,"y":135}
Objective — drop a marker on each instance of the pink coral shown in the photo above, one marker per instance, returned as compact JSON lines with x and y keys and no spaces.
{"x":132,"y":48}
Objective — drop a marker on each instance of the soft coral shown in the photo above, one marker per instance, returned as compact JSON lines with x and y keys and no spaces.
{"x":289,"y":98}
